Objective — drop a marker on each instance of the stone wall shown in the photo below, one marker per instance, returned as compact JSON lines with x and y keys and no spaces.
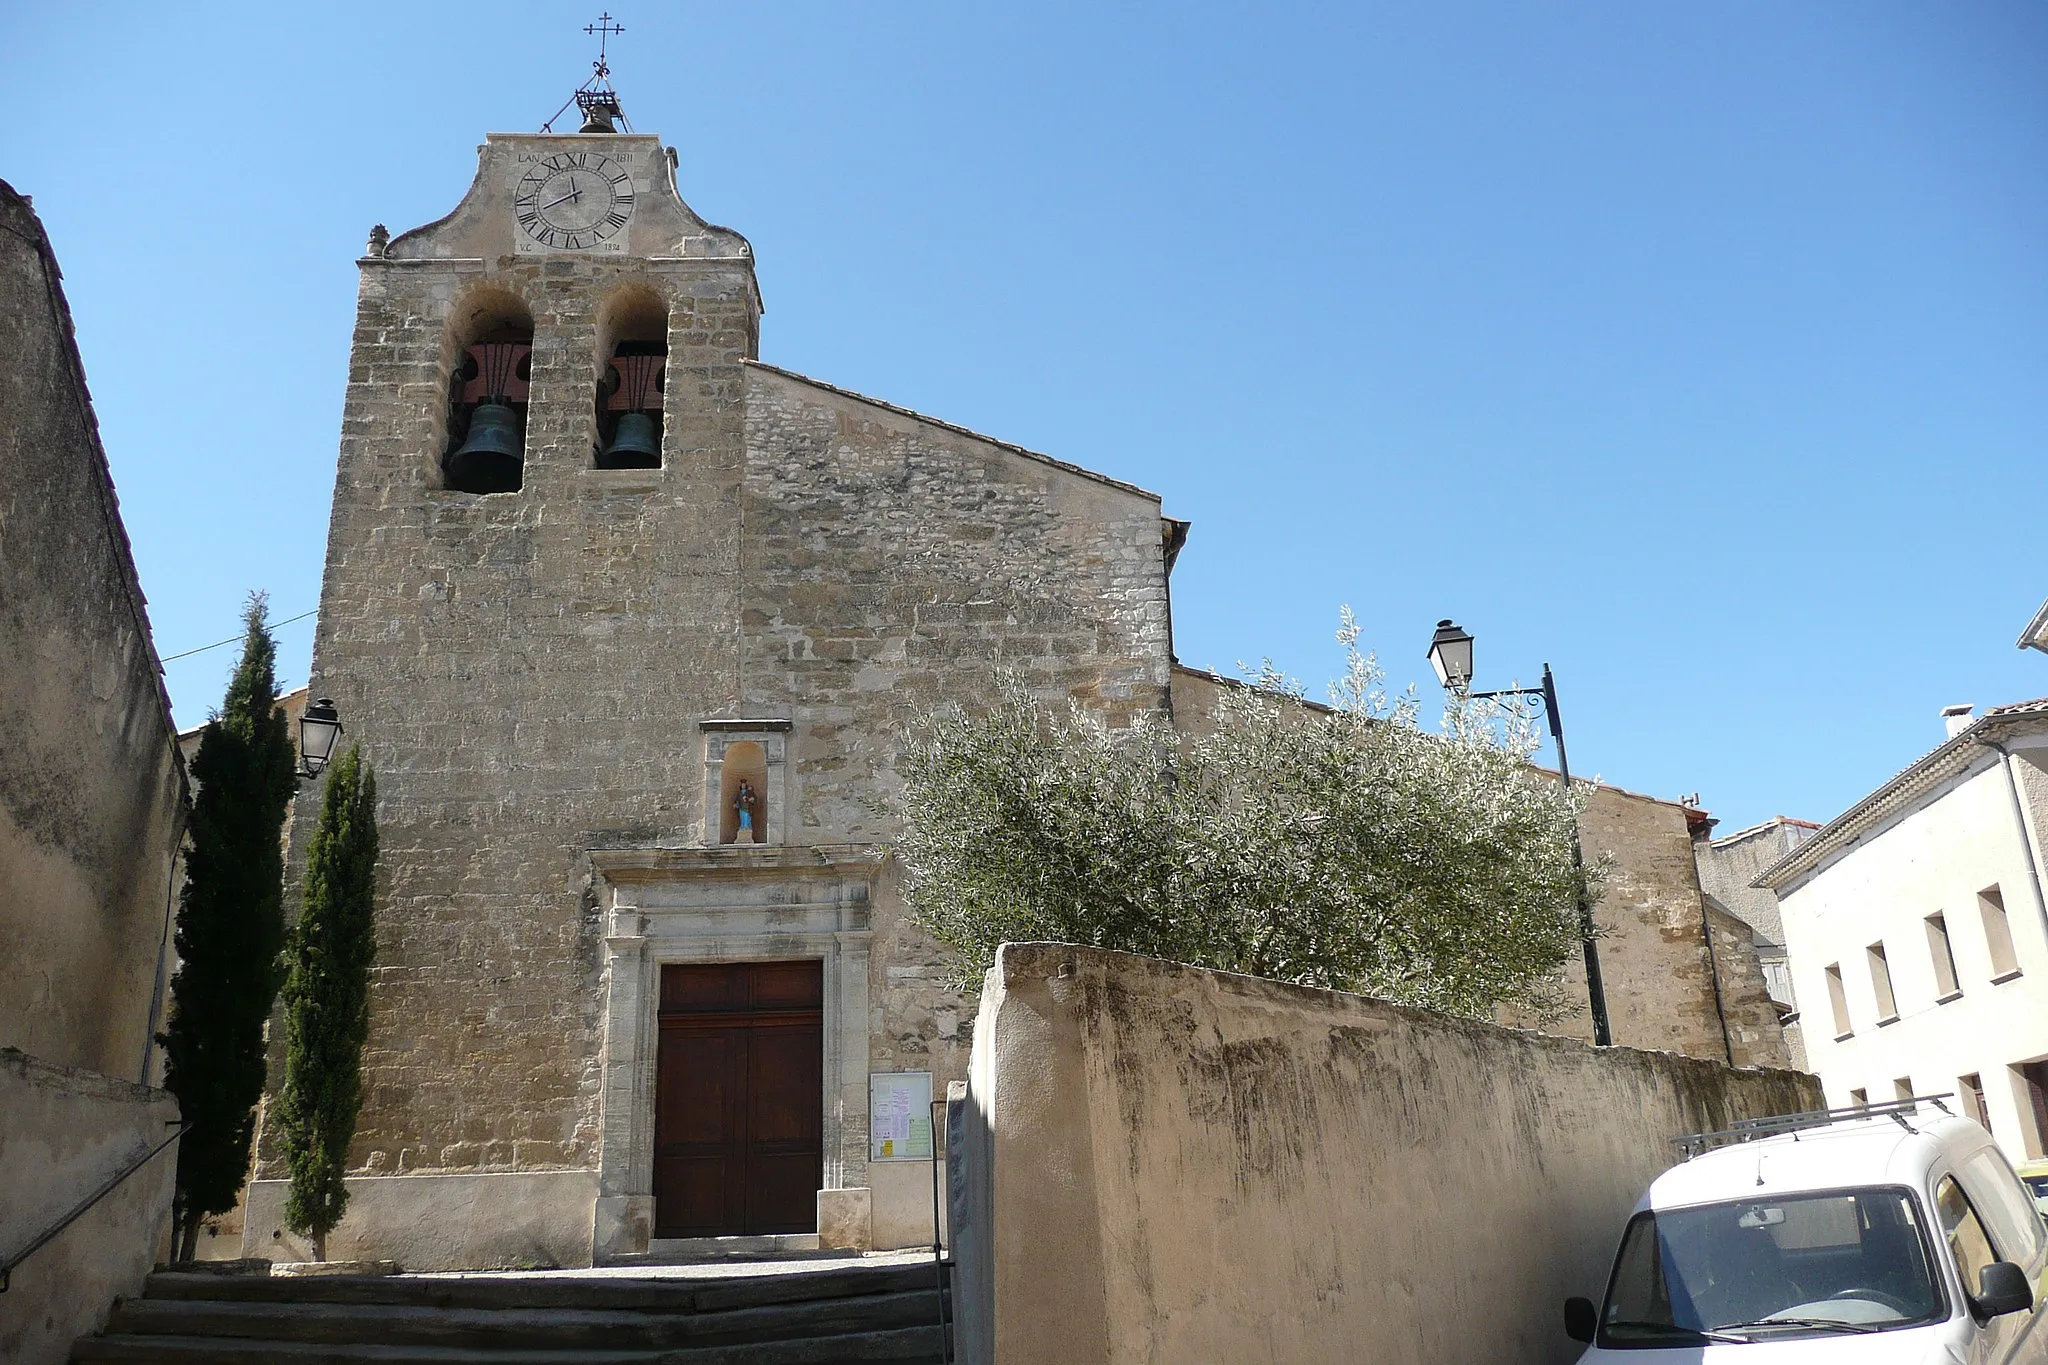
{"x":1755,"y":1038}
{"x":1654,"y":962}
{"x":1159,"y":1163}
{"x":63,"y":1132}
{"x":525,"y":670}
{"x":895,"y":564}
{"x":91,"y":789}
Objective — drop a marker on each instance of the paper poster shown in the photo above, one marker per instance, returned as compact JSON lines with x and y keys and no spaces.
{"x":900,"y":1116}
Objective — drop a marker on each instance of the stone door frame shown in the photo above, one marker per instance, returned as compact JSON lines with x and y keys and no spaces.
{"x":730,"y":903}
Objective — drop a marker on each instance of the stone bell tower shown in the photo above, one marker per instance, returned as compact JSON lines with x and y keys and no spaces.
{"x":530,"y":599}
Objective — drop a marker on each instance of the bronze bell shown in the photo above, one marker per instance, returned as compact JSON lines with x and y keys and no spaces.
{"x":636,"y":444}
{"x":488,"y":459}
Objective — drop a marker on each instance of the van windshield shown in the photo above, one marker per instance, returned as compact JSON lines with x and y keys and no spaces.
{"x":1753,"y":1270}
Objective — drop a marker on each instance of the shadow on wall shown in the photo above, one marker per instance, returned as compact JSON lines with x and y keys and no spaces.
{"x":1156,"y":1162}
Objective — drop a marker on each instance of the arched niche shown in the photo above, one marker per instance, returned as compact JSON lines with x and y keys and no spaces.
{"x":743,"y":786}
{"x":487,"y":354}
{"x":632,"y":362}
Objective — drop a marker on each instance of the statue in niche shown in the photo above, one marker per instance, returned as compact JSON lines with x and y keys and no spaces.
{"x":743,"y":805}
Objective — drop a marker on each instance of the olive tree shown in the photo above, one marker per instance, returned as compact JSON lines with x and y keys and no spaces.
{"x":1340,"y":846}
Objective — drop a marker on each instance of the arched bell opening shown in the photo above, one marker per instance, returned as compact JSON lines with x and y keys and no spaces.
{"x":743,"y":794}
{"x":632,"y":360}
{"x":490,"y":375}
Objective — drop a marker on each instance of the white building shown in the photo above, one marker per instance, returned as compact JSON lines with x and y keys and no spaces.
{"x":1918,"y":937}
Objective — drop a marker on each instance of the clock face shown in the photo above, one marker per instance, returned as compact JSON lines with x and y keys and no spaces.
{"x":574,"y":201}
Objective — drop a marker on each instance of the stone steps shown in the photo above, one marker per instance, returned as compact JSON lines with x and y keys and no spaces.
{"x":886,"y":1313}
{"x":904,"y":1345}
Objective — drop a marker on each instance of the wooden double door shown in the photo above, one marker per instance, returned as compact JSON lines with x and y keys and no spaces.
{"x":739,"y":1099}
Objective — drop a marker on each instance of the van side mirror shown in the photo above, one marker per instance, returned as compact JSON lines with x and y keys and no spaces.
{"x":1582,"y":1320}
{"x":2002,"y":1288}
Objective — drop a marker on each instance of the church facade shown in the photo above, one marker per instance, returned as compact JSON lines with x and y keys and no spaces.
{"x":629,"y":621}
{"x":604,"y":1016}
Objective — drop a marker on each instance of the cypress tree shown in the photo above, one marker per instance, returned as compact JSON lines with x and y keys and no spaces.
{"x":230,"y":932}
{"x":327,"y":1002}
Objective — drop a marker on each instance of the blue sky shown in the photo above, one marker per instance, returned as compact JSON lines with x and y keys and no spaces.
{"x":1696,"y":350}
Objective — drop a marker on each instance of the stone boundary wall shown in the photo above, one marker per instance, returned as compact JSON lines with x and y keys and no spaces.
{"x":1153,"y":1162}
{"x":64,"y":1130}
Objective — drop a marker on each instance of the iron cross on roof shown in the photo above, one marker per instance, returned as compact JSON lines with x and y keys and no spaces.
{"x":604,"y":28}
{"x":596,"y":98}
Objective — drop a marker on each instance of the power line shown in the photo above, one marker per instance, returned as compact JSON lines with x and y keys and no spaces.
{"x":232,"y":638}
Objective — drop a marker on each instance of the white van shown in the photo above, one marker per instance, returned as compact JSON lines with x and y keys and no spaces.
{"x":1884,"y":1233}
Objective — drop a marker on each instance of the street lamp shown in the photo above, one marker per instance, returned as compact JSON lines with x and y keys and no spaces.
{"x":1450,"y":654}
{"x":319,"y":730}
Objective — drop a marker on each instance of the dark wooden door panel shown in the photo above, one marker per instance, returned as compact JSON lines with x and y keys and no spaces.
{"x":788,"y":985}
{"x":700,"y":1107}
{"x":785,"y":1085}
{"x":782,"y":1193}
{"x":739,"y":1095}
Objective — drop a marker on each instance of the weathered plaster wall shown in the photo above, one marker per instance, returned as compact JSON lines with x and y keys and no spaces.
{"x":63,"y":1131}
{"x":1160,"y":1163}
{"x":91,"y":789}
{"x":92,"y":801}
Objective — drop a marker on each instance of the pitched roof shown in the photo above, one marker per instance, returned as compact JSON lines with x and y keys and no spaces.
{"x":1953,"y":760}
{"x":1763,"y":827}
{"x":953,"y":427}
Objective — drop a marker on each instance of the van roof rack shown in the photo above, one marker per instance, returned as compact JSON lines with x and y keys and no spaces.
{"x":1747,"y":1130}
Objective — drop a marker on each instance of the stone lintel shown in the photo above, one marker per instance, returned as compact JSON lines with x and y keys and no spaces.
{"x":626,"y":866}
{"x":746,"y":723}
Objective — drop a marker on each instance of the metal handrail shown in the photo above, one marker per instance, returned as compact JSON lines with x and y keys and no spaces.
{"x":7,"y":1267}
